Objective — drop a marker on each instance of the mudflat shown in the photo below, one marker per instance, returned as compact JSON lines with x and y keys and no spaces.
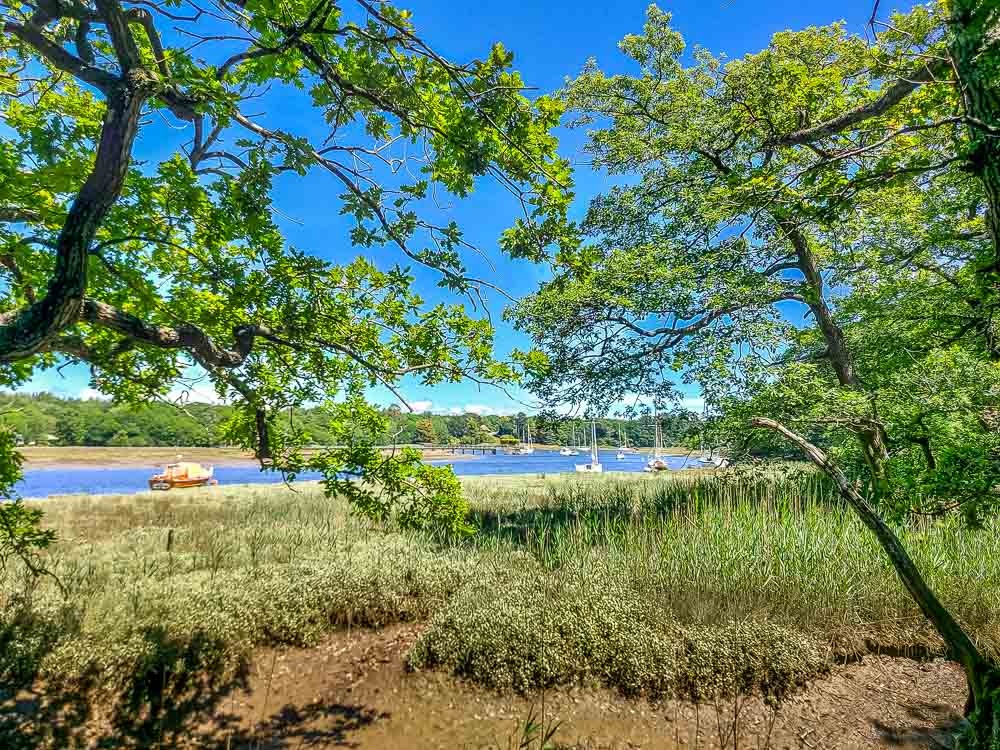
{"x":53,"y":457}
{"x":354,"y":690}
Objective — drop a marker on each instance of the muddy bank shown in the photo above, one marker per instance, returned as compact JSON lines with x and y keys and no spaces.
{"x":37,"y":457}
{"x":354,"y":691}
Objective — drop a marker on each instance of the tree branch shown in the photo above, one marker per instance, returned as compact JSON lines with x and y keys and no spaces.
{"x":187,"y":337}
{"x":15,"y":215}
{"x":145,"y":19}
{"x":23,"y":332}
{"x":116,"y":22}
{"x":675,"y":333}
{"x":958,"y":642}
{"x":890,"y":97}
{"x":61,"y":58}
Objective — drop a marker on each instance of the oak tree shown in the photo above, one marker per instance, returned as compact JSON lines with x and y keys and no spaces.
{"x":144,"y":268}
{"x":810,"y":234}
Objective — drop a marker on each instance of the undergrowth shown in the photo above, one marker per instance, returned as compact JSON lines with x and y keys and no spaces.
{"x":686,"y":585}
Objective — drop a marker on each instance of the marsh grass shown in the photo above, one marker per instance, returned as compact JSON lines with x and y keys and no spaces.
{"x":691,"y":585}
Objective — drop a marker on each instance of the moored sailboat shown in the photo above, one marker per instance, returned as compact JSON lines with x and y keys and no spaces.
{"x":527,"y":449}
{"x":657,"y":463}
{"x":182,"y":474}
{"x":566,"y":450}
{"x":594,"y":467}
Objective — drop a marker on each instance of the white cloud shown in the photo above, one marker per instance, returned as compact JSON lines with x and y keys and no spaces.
{"x":91,"y":393}
{"x":694,"y":403}
{"x":194,"y":393}
{"x":481,"y":409}
{"x":478,"y":409}
{"x":422,"y":406}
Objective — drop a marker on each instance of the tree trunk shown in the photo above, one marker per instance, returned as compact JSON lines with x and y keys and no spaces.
{"x":872,"y":440}
{"x":983,"y":708}
{"x":974,"y":46}
{"x":26,"y":331}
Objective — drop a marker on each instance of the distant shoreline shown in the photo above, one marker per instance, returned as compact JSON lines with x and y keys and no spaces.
{"x":84,"y":457}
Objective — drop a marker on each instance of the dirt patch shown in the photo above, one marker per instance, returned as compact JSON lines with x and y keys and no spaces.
{"x":55,"y":457}
{"x":354,"y":691}
{"x":67,"y":457}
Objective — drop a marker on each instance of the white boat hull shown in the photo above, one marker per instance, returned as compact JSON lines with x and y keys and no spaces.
{"x":589,"y":468}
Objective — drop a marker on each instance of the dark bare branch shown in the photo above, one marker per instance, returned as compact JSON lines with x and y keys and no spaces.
{"x":116,"y":22}
{"x":62,"y":59}
{"x":954,"y":636}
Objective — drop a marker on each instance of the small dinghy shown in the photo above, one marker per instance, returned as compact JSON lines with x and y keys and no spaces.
{"x":182,"y":474}
{"x":657,"y":464}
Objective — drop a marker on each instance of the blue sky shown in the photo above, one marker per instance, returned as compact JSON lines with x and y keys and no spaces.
{"x":550,"y":40}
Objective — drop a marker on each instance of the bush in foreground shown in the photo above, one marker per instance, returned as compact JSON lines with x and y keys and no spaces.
{"x":524,"y":632}
{"x":664,"y":585}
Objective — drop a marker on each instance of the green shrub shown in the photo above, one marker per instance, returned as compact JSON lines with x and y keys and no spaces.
{"x":660,"y":585}
{"x":531,"y":631}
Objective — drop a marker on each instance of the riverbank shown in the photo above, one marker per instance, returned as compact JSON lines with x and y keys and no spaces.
{"x":260,"y":615}
{"x":106,"y":478}
{"x":86,"y":457}
{"x":670,"y":450}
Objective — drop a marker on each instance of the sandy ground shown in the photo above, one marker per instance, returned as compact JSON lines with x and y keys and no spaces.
{"x":37,"y":457}
{"x":353,"y":691}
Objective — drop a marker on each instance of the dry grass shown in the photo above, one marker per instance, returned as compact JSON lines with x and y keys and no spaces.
{"x":672,"y":584}
{"x":41,"y":457}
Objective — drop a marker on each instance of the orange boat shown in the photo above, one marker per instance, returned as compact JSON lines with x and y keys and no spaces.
{"x":182,"y":474}
{"x":657,"y":464}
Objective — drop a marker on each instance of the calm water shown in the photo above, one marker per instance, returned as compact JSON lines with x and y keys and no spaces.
{"x":113,"y":481}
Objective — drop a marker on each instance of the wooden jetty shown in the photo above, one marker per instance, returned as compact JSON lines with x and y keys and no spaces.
{"x":473,"y":449}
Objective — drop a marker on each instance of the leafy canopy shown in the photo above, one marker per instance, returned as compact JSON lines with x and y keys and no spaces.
{"x":800,"y":233}
{"x":145,"y":268}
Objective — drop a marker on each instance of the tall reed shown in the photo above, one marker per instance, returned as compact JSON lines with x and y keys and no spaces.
{"x":636,"y":582}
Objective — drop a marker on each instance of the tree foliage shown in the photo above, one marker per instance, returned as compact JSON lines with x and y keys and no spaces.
{"x":832,"y":276}
{"x":810,"y":233}
{"x":144,"y":268}
{"x":21,"y":533}
{"x":45,"y":419}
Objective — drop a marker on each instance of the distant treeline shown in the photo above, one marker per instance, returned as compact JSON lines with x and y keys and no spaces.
{"x":45,"y":419}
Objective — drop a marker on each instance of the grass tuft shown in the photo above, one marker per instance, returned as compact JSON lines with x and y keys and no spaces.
{"x":686,"y":584}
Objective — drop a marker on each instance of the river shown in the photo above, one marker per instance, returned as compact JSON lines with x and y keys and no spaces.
{"x":40,"y":483}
